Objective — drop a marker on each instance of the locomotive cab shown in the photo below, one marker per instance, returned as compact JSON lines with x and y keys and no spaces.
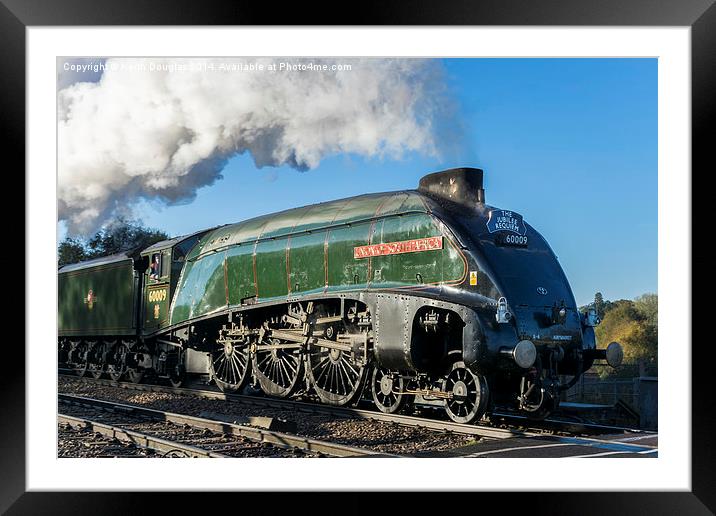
{"x":161,"y":265}
{"x":156,"y":263}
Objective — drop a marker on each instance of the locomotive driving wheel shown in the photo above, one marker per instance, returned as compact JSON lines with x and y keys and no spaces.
{"x":79,"y":358}
{"x":334,"y":374}
{"x":388,"y":391}
{"x":177,"y":373}
{"x":279,"y":370}
{"x":230,"y":363}
{"x":468,"y":394}
{"x":95,"y":359}
{"x":116,"y":366}
{"x":134,"y":372}
{"x":63,"y":352}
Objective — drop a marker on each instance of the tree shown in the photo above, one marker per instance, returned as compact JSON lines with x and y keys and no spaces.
{"x":70,"y":250}
{"x":599,"y":304}
{"x":121,"y":235}
{"x":648,"y":307}
{"x":634,"y":324}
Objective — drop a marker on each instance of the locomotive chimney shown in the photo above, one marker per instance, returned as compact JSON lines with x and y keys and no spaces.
{"x":459,"y":185}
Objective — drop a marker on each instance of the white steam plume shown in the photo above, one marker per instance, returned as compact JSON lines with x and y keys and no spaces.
{"x":142,"y":133}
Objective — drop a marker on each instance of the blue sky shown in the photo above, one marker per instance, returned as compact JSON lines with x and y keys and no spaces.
{"x":571,"y":144}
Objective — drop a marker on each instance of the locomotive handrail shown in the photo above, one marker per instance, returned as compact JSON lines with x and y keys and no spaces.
{"x":308,"y":232}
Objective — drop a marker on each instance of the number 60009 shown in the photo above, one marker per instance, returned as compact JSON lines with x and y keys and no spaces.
{"x":514,"y":240}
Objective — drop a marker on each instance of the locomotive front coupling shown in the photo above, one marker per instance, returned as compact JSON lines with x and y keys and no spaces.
{"x":613,"y":354}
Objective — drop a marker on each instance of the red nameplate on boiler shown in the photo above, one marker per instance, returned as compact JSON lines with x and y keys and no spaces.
{"x":406,"y":246}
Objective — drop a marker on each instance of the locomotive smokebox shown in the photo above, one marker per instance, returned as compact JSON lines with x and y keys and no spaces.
{"x":459,"y":185}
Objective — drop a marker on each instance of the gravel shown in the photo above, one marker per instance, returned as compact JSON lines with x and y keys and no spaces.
{"x":75,"y":443}
{"x":374,"y":435}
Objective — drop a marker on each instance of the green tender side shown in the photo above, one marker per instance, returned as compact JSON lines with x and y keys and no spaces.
{"x":97,"y":298}
{"x":310,"y":250}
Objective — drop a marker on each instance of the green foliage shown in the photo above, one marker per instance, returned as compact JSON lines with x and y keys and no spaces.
{"x":121,"y":235}
{"x":648,"y":307}
{"x":633,"y":324}
{"x":601,"y":305}
{"x":71,"y":250}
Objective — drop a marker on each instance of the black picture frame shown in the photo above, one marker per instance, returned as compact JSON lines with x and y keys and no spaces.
{"x":700,"y":15}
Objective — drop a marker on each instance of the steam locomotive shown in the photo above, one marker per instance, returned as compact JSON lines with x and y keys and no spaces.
{"x":426,"y":295}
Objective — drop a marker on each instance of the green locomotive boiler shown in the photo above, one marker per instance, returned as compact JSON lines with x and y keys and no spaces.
{"x":427,"y":295}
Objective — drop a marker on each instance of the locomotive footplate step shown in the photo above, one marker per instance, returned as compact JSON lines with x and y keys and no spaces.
{"x":549,"y":446}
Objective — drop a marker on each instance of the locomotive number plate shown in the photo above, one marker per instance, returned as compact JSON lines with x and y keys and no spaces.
{"x":511,"y":240}
{"x":156,"y":296}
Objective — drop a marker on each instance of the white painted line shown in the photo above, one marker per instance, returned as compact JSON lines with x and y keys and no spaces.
{"x":612,"y":453}
{"x":597,"y":454}
{"x":489,"y":452}
{"x":584,"y":441}
{"x":637,"y":438}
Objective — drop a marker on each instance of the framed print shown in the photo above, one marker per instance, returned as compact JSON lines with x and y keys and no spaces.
{"x":310,"y":210}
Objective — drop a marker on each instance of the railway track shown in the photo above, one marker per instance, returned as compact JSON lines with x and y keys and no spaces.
{"x":517,"y":426}
{"x":306,"y":407}
{"x":477,"y":440}
{"x":135,"y":440}
{"x":189,"y":436}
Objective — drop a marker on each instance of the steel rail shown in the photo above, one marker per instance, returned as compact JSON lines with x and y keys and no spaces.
{"x":572,"y":426}
{"x":410,"y":421}
{"x":279,"y":439}
{"x":137,"y":438}
{"x":400,"y":419}
{"x":405,"y":420}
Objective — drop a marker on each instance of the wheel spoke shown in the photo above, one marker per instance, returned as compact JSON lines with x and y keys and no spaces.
{"x":356,"y":374}
{"x":342,"y":374}
{"x":222,"y":369}
{"x":324,"y":371}
{"x":234,"y":370}
{"x":283,"y":370}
